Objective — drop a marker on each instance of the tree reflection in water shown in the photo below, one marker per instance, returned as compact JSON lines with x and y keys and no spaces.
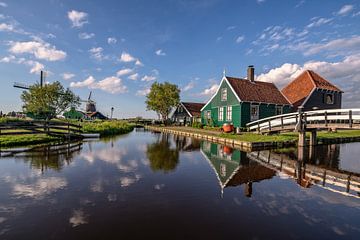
{"x":54,"y":156}
{"x":161,"y":156}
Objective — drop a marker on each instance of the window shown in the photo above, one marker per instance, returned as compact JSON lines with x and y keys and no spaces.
{"x":223,"y":94}
{"x":180,"y":109}
{"x":208,"y":114}
{"x":254,"y":112}
{"x":221,"y":114}
{"x":329,"y":98}
{"x":278,"y":110}
{"x":228,"y":113}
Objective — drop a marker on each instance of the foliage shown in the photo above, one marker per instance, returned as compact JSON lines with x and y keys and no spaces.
{"x":49,"y":100}
{"x":161,"y":156}
{"x":107,"y":128}
{"x":6,"y":120}
{"x":162,"y":98}
{"x":197,"y":125}
{"x":23,"y":140}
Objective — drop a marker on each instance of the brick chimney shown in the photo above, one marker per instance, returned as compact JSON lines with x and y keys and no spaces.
{"x":251,"y":73}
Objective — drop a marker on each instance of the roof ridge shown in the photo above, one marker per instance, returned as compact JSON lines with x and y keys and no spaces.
{"x":311,"y":77}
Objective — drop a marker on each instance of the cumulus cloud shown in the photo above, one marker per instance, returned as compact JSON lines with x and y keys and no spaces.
{"x":40,"y":49}
{"x":239,"y":39}
{"x":6,"y":27}
{"x":2,"y":4}
{"x":210,"y":91}
{"x":148,"y":78}
{"x":134,"y":76}
{"x":40,"y":188}
{"x":78,"y":19}
{"x":345,"y":10}
{"x":67,"y":75}
{"x":97,"y":53}
{"x":78,"y":217}
{"x":111,"y":40}
{"x":124,"y":71}
{"x":143,"y":92}
{"x":110,"y":84}
{"x":85,"y":35}
{"x":160,"y":52}
{"x":138,"y":63}
{"x":36,"y":67}
{"x":126,"y":57}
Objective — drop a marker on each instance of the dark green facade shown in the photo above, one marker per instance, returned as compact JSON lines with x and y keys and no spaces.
{"x":240,"y":110}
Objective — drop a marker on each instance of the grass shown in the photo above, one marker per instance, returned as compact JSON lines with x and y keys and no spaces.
{"x":24,"y":140}
{"x":252,"y":137}
{"x":107,"y":128}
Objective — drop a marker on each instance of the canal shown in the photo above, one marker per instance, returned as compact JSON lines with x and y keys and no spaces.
{"x":159,"y":186}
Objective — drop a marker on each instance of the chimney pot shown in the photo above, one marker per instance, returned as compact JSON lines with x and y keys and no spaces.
{"x":251,"y":73}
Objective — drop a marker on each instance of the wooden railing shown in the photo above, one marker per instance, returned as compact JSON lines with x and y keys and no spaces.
{"x":334,"y":118}
{"x":54,"y":128}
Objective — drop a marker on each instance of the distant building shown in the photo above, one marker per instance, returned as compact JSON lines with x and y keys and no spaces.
{"x":240,"y":101}
{"x":77,"y":115}
{"x":186,"y":113}
{"x":311,"y":91}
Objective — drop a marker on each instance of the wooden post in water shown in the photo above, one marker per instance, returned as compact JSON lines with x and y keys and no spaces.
{"x":301,"y":128}
{"x":313,"y":138}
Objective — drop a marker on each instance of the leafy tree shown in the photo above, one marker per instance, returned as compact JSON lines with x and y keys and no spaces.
{"x":49,"y":100}
{"x":162,"y":98}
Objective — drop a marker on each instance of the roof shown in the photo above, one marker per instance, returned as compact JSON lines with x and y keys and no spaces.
{"x":193,"y":108}
{"x":300,"y":88}
{"x":257,"y":91}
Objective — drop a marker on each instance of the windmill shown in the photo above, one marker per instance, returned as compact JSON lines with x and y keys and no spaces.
{"x":90,"y":104}
{"x":27,"y":87}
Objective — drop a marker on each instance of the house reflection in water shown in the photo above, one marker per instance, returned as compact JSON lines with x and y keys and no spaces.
{"x":233,"y":168}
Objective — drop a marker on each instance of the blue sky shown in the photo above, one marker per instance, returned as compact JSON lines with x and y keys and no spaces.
{"x":117,"y":49}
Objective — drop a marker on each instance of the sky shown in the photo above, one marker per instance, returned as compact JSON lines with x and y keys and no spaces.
{"x":117,"y":49}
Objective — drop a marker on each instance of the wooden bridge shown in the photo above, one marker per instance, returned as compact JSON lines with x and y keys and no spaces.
{"x":310,"y":121}
{"x":52,"y":128}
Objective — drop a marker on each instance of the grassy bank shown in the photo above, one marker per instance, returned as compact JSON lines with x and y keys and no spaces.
{"x":25,"y":140}
{"x":107,"y":128}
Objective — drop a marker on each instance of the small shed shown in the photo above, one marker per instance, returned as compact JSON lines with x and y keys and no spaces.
{"x":186,"y":113}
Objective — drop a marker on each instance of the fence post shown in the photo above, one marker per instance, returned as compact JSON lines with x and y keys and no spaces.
{"x":350,"y":118}
{"x":282,"y":122}
{"x":270,"y":125}
{"x":326,"y":122}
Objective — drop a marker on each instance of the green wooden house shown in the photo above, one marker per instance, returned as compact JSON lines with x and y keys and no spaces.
{"x":240,"y":101}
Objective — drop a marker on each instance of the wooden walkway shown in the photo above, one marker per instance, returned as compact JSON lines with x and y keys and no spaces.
{"x":52,"y":128}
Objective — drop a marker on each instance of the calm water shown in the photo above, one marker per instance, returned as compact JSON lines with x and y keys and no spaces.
{"x":152,"y":185}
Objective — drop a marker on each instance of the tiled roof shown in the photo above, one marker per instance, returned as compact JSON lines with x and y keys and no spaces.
{"x":257,"y":91}
{"x":193,"y":108}
{"x":298,"y":90}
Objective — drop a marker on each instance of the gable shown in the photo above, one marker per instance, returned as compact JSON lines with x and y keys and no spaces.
{"x":298,"y":89}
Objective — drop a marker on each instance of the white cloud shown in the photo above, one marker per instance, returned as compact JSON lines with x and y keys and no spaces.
{"x":143,"y":92}
{"x":230,"y":28}
{"x":86,"y":83}
{"x":210,"y":91}
{"x":41,"y":50}
{"x":124,"y":71}
{"x":67,"y":75}
{"x":41,"y":188}
{"x":6,"y":27}
{"x":126,"y":57}
{"x":138,"y":63}
{"x":260,"y":1}
{"x":97,"y":53}
{"x":189,"y":86}
{"x":127,"y":181}
{"x":78,"y":218}
{"x":318,"y":22}
{"x":345,"y":10}
{"x":281,"y":75}
{"x":134,"y":76}
{"x":110,"y":84}
{"x":2,"y":4}
{"x":111,"y":40}
{"x":148,"y":78}
{"x":36,"y":67}
{"x":78,"y":19}
{"x":85,"y":35}
{"x":160,"y":52}
{"x":240,"y":39}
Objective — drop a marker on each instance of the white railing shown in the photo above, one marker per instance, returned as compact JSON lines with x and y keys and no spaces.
{"x":346,"y":117}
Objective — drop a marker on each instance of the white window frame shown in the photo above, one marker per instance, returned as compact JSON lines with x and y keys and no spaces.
{"x":254,"y":117}
{"x":224,"y":94}
{"x":221,"y":114}
{"x":208,"y":114}
{"x":332,"y":98}
{"x":281,"y":110}
{"x":229,"y":113}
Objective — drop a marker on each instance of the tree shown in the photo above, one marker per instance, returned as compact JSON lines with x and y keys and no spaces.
{"x":49,"y":100}
{"x":162,"y":98}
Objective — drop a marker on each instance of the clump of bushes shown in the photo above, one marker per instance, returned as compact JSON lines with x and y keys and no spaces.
{"x":107,"y":128}
{"x":197,"y":125}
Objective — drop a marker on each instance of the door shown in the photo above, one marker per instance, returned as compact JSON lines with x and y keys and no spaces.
{"x":254,"y":112}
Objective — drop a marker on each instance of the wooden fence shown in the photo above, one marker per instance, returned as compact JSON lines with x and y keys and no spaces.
{"x":52,"y":128}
